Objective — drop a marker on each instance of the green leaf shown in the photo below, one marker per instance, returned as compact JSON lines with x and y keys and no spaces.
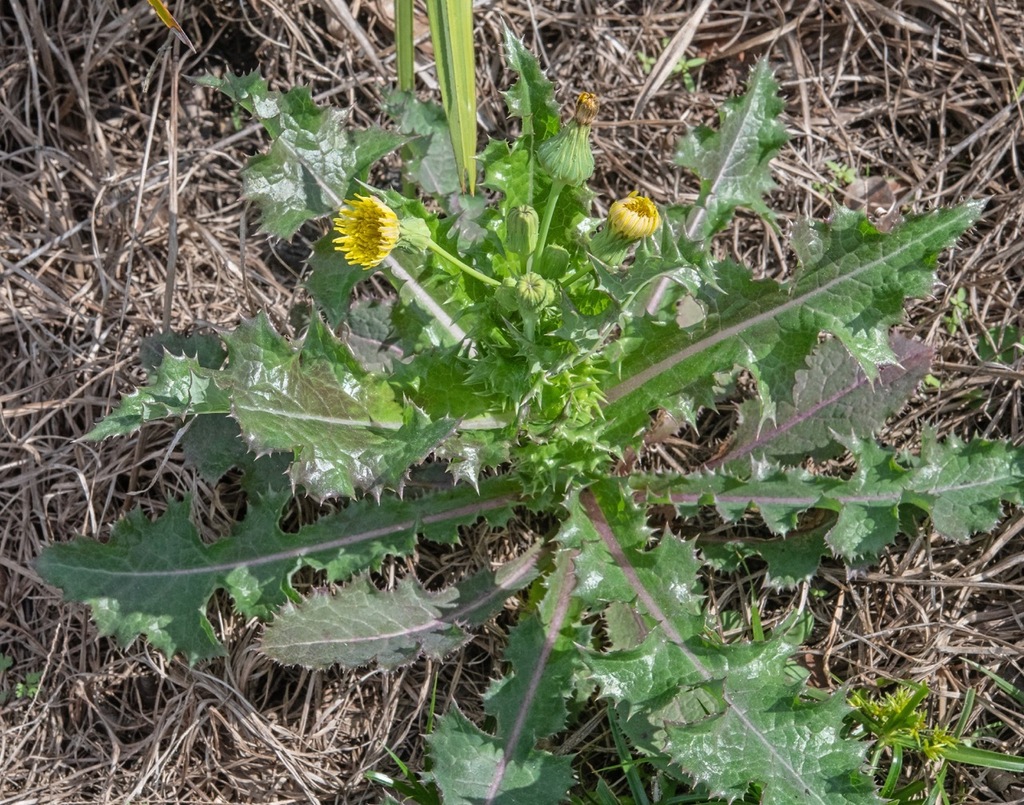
{"x":179,"y":387}
{"x":790,"y":561}
{"x":1002,"y":344}
{"x":532,"y":97}
{"x":451,"y":31}
{"x":430,"y":162}
{"x":332,"y":279}
{"x":962,"y":486}
{"x":852,"y":284}
{"x":250,"y":91}
{"x":832,"y":395}
{"x":206,"y":348}
{"x":212,"y":444}
{"x":648,"y":265}
{"x":346,"y":431}
{"x":156,"y":578}
{"x":610,"y":532}
{"x":726,"y":715}
{"x":732,"y":163}
{"x":473,"y":767}
{"x":729,"y":716}
{"x":361,"y":624}
{"x":313,"y":161}
{"x":467,"y":759}
{"x":404,"y":44}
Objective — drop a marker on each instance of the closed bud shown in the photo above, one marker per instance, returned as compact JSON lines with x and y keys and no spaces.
{"x":534,"y":291}
{"x":567,"y":157}
{"x":521,"y":230}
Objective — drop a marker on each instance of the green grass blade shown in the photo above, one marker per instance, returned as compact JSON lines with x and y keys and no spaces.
{"x":1006,"y":687}
{"x":451,"y":30}
{"x":984,"y":758}
{"x":404,"y":48}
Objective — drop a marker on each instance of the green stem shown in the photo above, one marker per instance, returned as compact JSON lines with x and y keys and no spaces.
{"x":576,"y":275}
{"x":545,"y":225}
{"x":462,"y":266}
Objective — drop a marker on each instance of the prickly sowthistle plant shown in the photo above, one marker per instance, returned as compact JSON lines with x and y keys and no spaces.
{"x":524,"y":351}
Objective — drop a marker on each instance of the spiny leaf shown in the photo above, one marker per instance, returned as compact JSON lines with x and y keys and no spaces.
{"x":156,"y":578}
{"x":466,"y":759}
{"x":962,"y":486}
{"x":179,"y":387}
{"x":726,"y":715}
{"x":614,"y":565}
{"x":474,"y":768}
{"x":343,"y":424}
{"x":853,"y":284}
{"x":532,"y":97}
{"x":313,"y":161}
{"x":729,"y":716}
{"x":732,"y":162}
{"x":361,"y":624}
{"x":345,"y":428}
{"x":832,"y":395}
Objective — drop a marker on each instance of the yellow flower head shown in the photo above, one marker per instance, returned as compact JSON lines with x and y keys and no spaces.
{"x":634,"y":217}
{"x":368,"y":230}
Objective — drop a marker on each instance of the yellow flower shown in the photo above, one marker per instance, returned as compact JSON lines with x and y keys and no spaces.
{"x":368,"y":230}
{"x":634,"y":217}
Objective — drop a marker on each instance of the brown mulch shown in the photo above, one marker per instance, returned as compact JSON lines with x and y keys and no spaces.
{"x":919,"y":93}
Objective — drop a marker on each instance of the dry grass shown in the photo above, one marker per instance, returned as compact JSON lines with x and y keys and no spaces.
{"x":920,"y":93}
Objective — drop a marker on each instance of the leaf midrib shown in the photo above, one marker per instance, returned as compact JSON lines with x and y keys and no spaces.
{"x":644,"y":376}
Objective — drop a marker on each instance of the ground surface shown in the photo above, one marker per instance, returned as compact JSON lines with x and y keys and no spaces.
{"x":917,"y":92}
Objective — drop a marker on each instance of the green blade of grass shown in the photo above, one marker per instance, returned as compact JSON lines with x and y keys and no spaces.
{"x":984,"y":758}
{"x":451,"y":30}
{"x":404,"y":47}
{"x":1006,"y":687}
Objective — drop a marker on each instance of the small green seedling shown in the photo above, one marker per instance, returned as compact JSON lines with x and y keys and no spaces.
{"x":898,"y":723}
{"x":958,"y":309}
{"x":683,"y":67}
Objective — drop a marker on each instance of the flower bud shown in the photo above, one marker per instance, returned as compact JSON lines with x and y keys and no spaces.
{"x":567,"y":157}
{"x":521,"y":230}
{"x":534,"y":291}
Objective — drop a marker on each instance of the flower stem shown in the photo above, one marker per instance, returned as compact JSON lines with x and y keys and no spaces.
{"x":545,"y":225}
{"x":576,"y":275}
{"x":455,"y":261}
